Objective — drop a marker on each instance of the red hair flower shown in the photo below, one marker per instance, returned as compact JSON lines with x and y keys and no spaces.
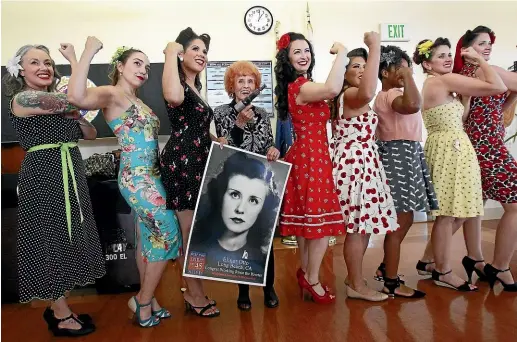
{"x":283,"y":42}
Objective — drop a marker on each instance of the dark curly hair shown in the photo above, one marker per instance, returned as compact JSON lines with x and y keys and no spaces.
{"x":471,"y":35}
{"x":285,"y":74}
{"x":334,"y":103}
{"x":420,"y":58}
{"x":210,"y":226}
{"x":185,"y":38}
{"x":391,"y":57}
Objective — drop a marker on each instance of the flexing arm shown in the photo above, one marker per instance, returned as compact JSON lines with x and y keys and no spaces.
{"x":410,"y":101}
{"x":313,"y":92}
{"x":78,"y":94}
{"x":493,"y":84}
{"x":509,"y":78}
{"x":359,"y":97}
{"x":173,"y":91}
{"x":31,"y":102}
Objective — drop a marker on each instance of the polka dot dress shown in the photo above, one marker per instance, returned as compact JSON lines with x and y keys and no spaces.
{"x":185,"y":155}
{"x":49,"y":263}
{"x":452,"y":161}
{"x":364,"y":193}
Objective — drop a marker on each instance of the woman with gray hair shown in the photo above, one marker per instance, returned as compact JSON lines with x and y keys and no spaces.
{"x":57,"y":244}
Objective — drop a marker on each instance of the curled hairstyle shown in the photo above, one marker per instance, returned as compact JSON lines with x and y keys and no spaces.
{"x":14,"y":85}
{"x":185,"y":38}
{"x":334,"y":103}
{"x":210,"y":224}
{"x":285,"y":74}
{"x":122,"y":58}
{"x":467,"y":40}
{"x":238,"y":69}
{"x":420,"y":58}
{"x":392,"y":56}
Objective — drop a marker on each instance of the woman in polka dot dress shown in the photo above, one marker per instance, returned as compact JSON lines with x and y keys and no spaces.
{"x":452,"y":160}
{"x":57,"y":240}
{"x":310,"y":205}
{"x":185,"y":155}
{"x":498,"y":168}
{"x":364,"y":194}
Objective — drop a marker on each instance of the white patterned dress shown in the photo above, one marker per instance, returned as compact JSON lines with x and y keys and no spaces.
{"x":364,"y":194}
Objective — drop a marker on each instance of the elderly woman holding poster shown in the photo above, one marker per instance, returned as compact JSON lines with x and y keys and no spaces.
{"x":250,"y":129}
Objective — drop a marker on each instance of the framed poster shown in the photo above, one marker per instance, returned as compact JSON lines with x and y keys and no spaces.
{"x":216,"y":95}
{"x":235,"y":217}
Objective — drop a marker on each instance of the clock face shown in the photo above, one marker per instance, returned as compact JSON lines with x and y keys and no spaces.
{"x":258,"y":20}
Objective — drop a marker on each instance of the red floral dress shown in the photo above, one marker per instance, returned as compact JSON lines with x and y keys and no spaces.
{"x":310,"y":207}
{"x":486,"y":131}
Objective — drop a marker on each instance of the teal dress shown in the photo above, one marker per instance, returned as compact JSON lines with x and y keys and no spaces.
{"x":141,"y":186}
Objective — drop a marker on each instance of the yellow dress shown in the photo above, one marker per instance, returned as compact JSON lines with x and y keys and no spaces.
{"x":452,"y":162}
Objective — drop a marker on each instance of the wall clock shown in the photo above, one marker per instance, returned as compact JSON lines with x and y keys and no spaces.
{"x":258,"y":20}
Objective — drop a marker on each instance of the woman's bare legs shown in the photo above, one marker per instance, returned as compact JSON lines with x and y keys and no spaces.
{"x":316,"y":251}
{"x":304,"y":252}
{"x":441,"y":238}
{"x":195,"y":294}
{"x":506,"y":241}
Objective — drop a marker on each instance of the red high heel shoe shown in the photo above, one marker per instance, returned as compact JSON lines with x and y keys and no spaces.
{"x":327,"y":298}
{"x":300,"y":274}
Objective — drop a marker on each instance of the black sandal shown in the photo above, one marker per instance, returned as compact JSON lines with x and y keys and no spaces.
{"x":382,"y":269}
{"x":270,"y":298}
{"x":212,"y":301}
{"x":463,"y":288}
{"x":191,"y":308}
{"x":393,"y":284}
{"x":57,"y":331}
{"x":48,"y":316}
{"x":421,"y":267}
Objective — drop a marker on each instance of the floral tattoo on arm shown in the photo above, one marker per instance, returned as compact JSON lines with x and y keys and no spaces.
{"x":53,"y":102}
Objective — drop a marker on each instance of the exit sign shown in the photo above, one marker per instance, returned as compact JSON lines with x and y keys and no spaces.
{"x":394,"y":33}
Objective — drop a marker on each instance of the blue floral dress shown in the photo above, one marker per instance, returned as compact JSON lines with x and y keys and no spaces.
{"x":140,"y":183}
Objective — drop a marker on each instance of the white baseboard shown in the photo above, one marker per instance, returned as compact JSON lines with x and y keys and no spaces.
{"x":490,"y":214}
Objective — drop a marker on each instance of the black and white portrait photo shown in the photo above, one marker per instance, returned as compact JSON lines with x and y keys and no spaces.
{"x":235,"y":216}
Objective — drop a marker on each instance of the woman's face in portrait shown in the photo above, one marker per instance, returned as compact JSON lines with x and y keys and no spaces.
{"x":242,"y":202}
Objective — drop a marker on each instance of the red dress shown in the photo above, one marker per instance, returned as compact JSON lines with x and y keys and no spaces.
{"x":310,"y":207}
{"x":486,"y":131}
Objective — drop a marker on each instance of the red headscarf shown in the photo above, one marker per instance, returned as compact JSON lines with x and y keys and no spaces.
{"x":458,"y":59}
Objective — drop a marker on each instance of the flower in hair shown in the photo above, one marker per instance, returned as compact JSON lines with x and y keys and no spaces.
{"x":425,"y":48}
{"x":283,"y":42}
{"x":116,"y":56}
{"x":13,"y":66}
{"x":388,"y":57}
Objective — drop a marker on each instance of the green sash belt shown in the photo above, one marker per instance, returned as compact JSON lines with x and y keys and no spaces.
{"x":66,"y":165}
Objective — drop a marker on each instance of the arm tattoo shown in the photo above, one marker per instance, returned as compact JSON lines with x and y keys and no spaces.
{"x":52,"y":102}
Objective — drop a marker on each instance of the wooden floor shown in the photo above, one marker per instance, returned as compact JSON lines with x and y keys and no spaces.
{"x":443,"y":315}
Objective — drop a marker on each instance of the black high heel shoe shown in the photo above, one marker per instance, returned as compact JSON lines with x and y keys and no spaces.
{"x":421,"y":268}
{"x":48,"y":316}
{"x":393,"y":284}
{"x":470,"y":267}
{"x":212,"y":301}
{"x":53,"y":325}
{"x":491,"y":273}
{"x":462,"y":288}
{"x":191,"y":308}
{"x":382,"y":269}
{"x":270,"y":298}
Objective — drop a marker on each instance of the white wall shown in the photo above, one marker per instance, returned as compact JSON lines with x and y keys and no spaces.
{"x":149,"y":25}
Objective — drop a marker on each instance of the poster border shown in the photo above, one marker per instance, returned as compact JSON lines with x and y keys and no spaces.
{"x":212,"y":147}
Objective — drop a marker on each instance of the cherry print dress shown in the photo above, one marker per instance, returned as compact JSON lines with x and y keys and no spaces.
{"x":364,"y":193}
{"x":310,"y":205}
{"x":486,"y":131}
{"x":53,"y":257}
{"x":185,"y":155}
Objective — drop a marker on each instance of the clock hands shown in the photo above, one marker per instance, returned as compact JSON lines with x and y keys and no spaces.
{"x":260,"y":16}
